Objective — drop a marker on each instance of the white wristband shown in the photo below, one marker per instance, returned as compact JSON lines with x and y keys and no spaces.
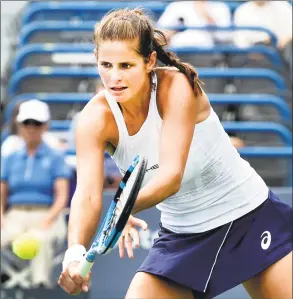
{"x":74,"y":253}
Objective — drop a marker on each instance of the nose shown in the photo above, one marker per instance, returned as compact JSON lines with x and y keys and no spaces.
{"x":115,"y":75}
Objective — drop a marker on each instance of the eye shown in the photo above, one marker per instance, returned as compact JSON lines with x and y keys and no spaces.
{"x":105,"y":64}
{"x":125,"y":65}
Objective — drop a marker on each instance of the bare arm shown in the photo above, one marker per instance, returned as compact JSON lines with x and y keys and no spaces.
{"x":179,"y":118}
{"x":91,"y":136}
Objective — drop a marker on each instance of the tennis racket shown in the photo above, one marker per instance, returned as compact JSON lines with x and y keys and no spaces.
{"x":117,"y":214}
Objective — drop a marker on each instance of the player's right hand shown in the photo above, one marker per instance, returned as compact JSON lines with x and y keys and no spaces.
{"x":71,"y":282}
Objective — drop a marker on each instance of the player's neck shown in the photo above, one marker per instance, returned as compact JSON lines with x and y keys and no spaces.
{"x":139,"y":104}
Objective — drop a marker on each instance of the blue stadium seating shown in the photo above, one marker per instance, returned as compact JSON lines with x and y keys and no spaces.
{"x":85,"y":10}
{"x":216,"y":99}
{"x":43,"y":54}
{"x":91,"y":10}
{"x":53,"y":28}
{"x":53,"y":31}
{"x":20,"y":76}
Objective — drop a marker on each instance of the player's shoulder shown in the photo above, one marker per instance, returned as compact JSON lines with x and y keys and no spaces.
{"x":172,"y":84}
{"x":97,"y":108}
{"x":96,"y":113}
{"x":170,"y":75}
{"x":171,"y":80}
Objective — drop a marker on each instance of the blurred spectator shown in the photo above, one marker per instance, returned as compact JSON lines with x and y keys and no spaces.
{"x":232,"y":113}
{"x":236,"y":141}
{"x":196,"y":13}
{"x":14,"y":141}
{"x":34,"y":190}
{"x":273,"y":15}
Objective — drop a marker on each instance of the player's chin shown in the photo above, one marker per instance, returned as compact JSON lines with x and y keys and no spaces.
{"x":122,"y":98}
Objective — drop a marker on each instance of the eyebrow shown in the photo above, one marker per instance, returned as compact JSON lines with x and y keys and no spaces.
{"x":127,"y":62}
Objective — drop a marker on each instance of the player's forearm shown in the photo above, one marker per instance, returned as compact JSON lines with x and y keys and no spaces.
{"x":84,"y":217}
{"x":158,"y":189}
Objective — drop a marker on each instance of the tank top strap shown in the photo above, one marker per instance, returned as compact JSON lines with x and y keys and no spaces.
{"x":153,"y":100}
{"x":122,"y":129}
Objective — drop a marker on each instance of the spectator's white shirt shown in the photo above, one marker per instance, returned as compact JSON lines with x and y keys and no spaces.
{"x":14,"y":142}
{"x":274,"y":15}
{"x":186,"y":10}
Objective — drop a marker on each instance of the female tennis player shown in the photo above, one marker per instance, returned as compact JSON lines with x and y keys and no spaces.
{"x":220,"y":223}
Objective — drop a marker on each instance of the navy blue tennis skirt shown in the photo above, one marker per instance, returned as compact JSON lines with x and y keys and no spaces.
{"x":215,"y":261}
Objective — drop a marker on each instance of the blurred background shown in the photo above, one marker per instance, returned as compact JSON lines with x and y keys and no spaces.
{"x":243,"y":53}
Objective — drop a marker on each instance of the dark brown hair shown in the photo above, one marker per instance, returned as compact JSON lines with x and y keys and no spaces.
{"x":130,"y":24}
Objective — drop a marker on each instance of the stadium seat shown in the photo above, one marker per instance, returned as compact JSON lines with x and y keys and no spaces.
{"x":283,"y":133}
{"x":54,"y":61}
{"x":45,"y":79}
{"x":83,"y":10}
{"x":276,"y":109}
{"x":82,"y":55}
{"x":82,"y":31}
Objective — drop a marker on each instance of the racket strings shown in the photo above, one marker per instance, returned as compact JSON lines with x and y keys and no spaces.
{"x":125,"y":193}
{"x":117,"y":211}
{"x":109,"y":228}
{"x":119,"y":206}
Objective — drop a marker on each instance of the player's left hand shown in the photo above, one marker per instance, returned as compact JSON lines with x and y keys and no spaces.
{"x":130,"y":236}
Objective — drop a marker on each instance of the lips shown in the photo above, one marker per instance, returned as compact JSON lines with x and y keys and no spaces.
{"x":118,"y":88}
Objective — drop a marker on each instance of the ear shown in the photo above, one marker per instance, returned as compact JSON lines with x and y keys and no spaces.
{"x":152,"y":61}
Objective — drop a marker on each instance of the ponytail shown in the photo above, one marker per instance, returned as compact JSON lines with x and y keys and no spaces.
{"x":130,"y":24}
{"x":171,"y":59}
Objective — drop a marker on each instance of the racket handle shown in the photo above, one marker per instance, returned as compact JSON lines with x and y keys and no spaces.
{"x":85,"y":267}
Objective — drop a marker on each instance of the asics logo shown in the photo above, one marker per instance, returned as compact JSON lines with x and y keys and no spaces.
{"x":266,"y":239}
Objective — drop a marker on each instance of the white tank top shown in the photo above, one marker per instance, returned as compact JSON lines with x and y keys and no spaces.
{"x":218,"y":186}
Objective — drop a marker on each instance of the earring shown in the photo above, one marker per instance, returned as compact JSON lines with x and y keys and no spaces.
{"x":154,"y":84}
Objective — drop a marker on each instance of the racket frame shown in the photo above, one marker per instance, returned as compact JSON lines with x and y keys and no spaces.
{"x":88,"y":261}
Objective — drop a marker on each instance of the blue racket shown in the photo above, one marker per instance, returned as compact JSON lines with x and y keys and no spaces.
{"x":117,"y":214}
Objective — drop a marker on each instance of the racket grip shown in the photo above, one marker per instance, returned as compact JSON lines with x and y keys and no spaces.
{"x":85,"y":267}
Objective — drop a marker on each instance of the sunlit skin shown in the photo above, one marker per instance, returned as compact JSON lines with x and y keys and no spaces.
{"x":121,"y":66}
